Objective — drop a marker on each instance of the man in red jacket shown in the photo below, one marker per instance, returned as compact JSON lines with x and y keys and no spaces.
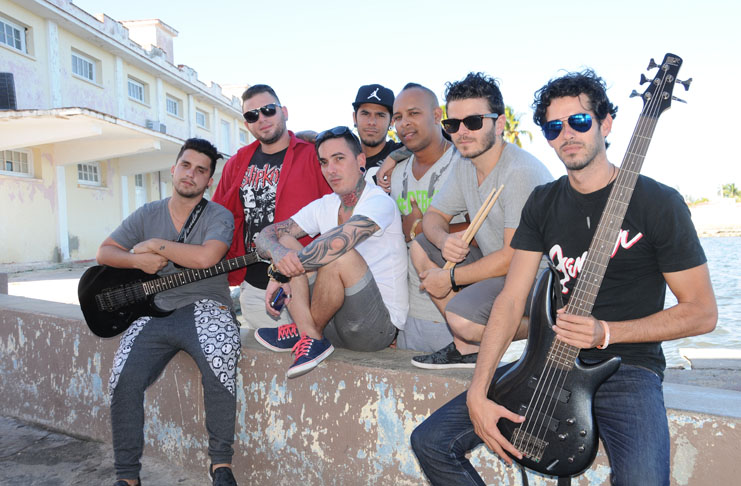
{"x":266,"y":181}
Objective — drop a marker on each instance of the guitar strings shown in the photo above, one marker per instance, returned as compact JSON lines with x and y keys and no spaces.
{"x":553,"y":376}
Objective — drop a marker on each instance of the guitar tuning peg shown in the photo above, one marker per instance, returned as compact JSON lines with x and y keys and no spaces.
{"x":679,"y":99}
{"x":652,"y":64}
{"x":686,"y":84}
{"x":644,"y":79}
{"x":634,"y":94}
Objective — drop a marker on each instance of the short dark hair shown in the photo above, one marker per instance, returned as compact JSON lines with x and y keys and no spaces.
{"x":573,"y":84}
{"x":202,"y":146}
{"x":430,"y":94}
{"x":339,"y":132}
{"x":476,"y":85}
{"x":256,"y":90}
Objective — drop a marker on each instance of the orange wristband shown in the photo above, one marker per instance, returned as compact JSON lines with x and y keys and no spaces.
{"x":607,"y":335}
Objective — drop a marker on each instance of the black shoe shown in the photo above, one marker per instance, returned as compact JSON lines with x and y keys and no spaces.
{"x":222,"y":476}
{"x":448,"y":357}
{"x":121,"y":482}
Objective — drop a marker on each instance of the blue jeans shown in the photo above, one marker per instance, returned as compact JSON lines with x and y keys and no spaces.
{"x":630,"y":413}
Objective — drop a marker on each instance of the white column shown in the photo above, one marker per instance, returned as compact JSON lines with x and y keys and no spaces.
{"x":120,"y":90}
{"x":52,"y":49}
{"x":124,"y":196}
{"x":62,"y":227}
{"x":191,"y":116}
{"x":160,"y":101}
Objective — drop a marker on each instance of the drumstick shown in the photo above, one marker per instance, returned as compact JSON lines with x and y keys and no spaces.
{"x":478,"y":220}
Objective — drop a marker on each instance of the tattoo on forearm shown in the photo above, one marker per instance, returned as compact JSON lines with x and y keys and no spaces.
{"x":268,"y":244}
{"x":335,"y":243}
{"x":162,"y":247}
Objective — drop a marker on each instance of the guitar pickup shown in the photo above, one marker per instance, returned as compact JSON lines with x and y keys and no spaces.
{"x":551,"y":423}
{"x":563,"y":395}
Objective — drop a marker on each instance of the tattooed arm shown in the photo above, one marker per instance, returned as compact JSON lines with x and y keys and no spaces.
{"x":268,"y":240}
{"x":335,"y":243}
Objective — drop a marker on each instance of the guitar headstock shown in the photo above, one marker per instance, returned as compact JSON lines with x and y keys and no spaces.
{"x":658,"y":96}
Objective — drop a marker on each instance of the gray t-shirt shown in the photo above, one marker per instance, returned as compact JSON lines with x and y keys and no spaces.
{"x":520,"y":173}
{"x":153,"y":221}
{"x":404,"y":185}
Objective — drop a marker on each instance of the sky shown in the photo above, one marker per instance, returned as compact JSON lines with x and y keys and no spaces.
{"x":317,"y":54}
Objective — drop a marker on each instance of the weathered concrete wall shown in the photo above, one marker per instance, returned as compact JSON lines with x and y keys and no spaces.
{"x":348,"y":422}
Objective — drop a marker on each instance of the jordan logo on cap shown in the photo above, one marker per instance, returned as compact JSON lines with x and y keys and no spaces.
{"x":374,"y":94}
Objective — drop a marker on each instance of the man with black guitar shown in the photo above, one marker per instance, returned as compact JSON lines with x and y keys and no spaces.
{"x":656,"y":246}
{"x":187,"y":230}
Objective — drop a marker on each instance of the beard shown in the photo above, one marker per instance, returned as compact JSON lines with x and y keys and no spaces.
{"x":271,"y":139}
{"x":489,"y":141}
{"x":373,"y":143}
{"x":578,"y":163}
{"x":189,"y":193}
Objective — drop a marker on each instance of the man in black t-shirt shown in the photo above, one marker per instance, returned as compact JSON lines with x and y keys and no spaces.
{"x":657,"y":246}
{"x":372,"y":117}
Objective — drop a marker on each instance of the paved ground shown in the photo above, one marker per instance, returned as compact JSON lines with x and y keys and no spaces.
{"x":33,"y":456}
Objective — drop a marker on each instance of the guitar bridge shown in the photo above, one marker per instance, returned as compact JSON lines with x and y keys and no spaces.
{"x":530,"y":446}
{"x":113,"y":299}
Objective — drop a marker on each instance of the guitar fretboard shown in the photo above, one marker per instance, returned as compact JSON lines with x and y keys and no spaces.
{"x":190,"y":275}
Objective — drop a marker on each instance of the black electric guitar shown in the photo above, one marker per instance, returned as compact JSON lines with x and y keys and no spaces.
{"x":549,"y":385}
{"x":112,"y":298}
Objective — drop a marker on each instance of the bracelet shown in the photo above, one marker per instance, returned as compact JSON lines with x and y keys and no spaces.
{"x":412,"y":233}
{"x":607,"y":335}
{"x":276,"y":275}
{"x":454,"y":287}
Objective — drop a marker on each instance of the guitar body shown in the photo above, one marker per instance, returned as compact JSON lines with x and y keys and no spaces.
{"x":126,"y":285}
{"x":559,"y":436}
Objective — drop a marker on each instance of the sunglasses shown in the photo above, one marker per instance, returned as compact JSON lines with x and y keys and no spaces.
{"x":268,"y":110}
{"x":335,"y":132}
{"x":581,"y":122}
{"x":473,"y":122}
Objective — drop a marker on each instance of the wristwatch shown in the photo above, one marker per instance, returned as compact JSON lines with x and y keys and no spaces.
{"x":276,"y":275}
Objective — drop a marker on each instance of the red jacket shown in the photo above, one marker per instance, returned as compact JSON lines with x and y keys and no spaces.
{"x":301,"y":181}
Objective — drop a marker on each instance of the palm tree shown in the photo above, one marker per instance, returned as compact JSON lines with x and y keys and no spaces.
{"x":511,"y":132}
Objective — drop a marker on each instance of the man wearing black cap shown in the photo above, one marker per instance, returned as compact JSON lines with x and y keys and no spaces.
{"x":372,"y":117}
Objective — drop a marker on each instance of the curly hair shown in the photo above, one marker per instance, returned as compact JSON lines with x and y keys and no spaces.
{"x":476,"y":85}
{"x":574,"y":84}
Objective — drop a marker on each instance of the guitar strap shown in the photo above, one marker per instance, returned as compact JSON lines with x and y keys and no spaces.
{"x":192,"y":220}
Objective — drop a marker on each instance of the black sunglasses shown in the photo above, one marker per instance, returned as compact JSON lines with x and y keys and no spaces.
{"x":268,"y":110}
{"x":335,"y":132}
{"x":473,"y":122}
{"x":581,"y":122}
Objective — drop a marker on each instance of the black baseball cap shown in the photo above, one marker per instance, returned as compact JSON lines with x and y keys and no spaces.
{"x":376,"y":94}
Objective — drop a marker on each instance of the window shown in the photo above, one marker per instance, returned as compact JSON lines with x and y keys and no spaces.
{"x":202,"y":119}
{"x":174,"y":106}
{"x":83,"y":66}
{"x":12,"y":35}
{"x":243,"y":137}
{"x":137,"y":91}
{"x":88,"y":174}
{"x":226,"y":139}
{"x":16,"y":162}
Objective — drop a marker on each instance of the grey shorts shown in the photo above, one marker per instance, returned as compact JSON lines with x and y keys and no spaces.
{"x":474,"y":301}
{"x":363,"y":322}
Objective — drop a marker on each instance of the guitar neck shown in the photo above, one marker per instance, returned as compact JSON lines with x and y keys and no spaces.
{"x":191,"y":275}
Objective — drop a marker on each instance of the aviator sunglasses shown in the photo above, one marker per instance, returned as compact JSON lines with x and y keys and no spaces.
{"x":581,"y":122}
{"x":268,"y":110}
{"x":473,"y":122}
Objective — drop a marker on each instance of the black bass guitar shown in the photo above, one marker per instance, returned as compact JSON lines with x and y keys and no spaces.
{"x":549,"y":385}
{"x":112,"y":298}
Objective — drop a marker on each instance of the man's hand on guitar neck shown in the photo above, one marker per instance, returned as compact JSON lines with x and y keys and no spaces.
{"x":583,"y":332}
{"x":484,"y":415}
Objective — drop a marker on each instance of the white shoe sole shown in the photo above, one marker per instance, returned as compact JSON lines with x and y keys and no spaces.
{"x":297,"y":371}
{"x":270,"y":346}
{"x":432,"y":366}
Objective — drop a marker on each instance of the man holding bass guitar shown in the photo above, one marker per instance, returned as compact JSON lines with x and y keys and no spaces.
{"x":189,"y":231}
{"x":657,"y":245}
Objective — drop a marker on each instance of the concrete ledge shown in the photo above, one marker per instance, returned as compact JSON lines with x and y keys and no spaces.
{"x":347,"y":422}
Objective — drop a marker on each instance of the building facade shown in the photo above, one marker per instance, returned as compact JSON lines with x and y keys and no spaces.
{"x":92,"y":114}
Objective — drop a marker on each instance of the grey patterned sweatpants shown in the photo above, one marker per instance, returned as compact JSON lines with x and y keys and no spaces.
{"x":208,"y":332}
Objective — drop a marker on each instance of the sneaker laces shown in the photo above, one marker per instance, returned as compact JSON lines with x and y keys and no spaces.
{"x":287,"y":331}
{"x":302,"y":347}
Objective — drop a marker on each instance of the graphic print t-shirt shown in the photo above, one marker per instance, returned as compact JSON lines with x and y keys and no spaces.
{"x":257,"y":193}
